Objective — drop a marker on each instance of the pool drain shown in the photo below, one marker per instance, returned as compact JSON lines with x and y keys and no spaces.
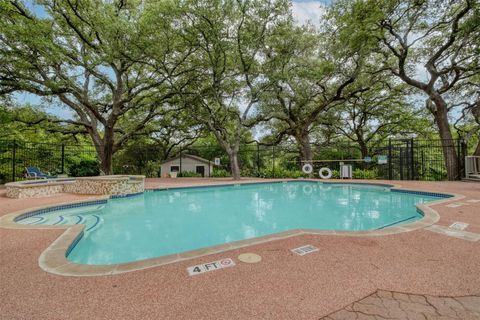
{"x":249,"y":258}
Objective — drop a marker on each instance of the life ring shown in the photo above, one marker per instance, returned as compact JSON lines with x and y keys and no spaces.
{"x":307,"y":168}
{"x":325,"y":176}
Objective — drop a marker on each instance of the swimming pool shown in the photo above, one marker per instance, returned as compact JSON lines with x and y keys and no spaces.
{"x":164,"y":222}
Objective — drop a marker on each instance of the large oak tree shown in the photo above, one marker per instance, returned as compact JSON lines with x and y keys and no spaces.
{"x":431,"y":45}
{"x":310,"y":74}
{"x":110,"y":62}
{"x":229,"y":38}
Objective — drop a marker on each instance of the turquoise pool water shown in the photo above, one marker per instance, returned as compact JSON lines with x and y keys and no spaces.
{"x":164,"y":222}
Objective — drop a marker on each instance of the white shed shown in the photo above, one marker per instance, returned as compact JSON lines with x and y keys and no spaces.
{"x":187,"y":163}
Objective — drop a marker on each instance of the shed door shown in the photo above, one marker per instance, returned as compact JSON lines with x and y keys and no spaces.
{"x":201,"y":170}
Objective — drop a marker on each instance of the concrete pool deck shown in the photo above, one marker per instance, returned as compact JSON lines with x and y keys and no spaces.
{"x":330,"y":282}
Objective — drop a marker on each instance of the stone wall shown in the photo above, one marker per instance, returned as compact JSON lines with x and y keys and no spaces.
{"x":105,"y":185}
{"x":34,"y":192}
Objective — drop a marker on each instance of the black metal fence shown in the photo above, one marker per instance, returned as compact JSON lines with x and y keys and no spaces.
{"x":411,"y":159}
{"x":399,"y":159}
{"x":16,"y":155}
{"x":395,"y":159}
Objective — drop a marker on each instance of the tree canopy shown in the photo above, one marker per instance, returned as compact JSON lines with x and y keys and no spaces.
{"x":167,"y":73}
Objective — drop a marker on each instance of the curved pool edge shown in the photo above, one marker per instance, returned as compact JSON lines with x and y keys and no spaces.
{"x":54,"y":258}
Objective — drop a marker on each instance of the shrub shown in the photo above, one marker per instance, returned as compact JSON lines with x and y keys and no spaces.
{"x":335,"y":174}
{"x":220,"y":173}
{"x":152,"y":169}
{"x":281,"y":172}
{"x":85,"y":168}
{"x":295,"y":174}
{"x":189,"y":174}
{"x":365,"y":174}
{"x":248,"y":172}
{"x":3,"y":178}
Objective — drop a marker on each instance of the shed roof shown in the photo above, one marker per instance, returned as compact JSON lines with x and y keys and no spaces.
{"x":190,"y":156}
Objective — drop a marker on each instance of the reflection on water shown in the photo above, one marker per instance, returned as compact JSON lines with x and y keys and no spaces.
{"x":260,"y":206}
{"x":248,"y":231}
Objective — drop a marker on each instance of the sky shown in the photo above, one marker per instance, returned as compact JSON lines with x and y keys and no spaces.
{"x":308,"y":10}
{"x":303,"y":11}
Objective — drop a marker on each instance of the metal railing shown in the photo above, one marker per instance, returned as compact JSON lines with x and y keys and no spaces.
{"x":407,"y":159}
{"x":16,"y":155}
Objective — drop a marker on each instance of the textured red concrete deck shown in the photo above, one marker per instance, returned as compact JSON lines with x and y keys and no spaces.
{"x":281,"y":286}
{"x":396,"y":305}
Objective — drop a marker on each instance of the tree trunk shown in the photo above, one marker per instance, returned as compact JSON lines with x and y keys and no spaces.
{"x":364,"y":151}
{"x":476,"y":116}
{"x":234,"y":166}
{"x":106,"y":155}
{"x":448,"y":145}
{"x":305,"y":149}
{"x":106,"y":163}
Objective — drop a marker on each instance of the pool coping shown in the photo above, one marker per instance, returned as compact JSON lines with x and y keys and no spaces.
{"x":54,"y":258}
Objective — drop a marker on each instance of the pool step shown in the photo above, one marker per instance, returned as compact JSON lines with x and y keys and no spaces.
{"x":90,"y":221}
{"x":397,"y":222}
{"x":32,"y":220}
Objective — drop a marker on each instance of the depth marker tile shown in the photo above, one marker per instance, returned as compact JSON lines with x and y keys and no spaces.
{"x":301,"y":251}
{"x":210,"y":266}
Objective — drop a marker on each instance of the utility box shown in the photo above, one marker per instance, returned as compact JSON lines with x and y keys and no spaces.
{"x":346,"y":171}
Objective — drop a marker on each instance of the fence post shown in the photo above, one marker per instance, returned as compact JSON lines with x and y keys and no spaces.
{"x":412,"y":159}
{"x":402,"y":152}
{"x":390,"y":172}
{"x":180,"y":163}
{"x":459,"y":159}
{"x":423,"y":164}
{"x":63,"y":158}
{"x":258,"y":160}
{"x":273,"y":162}
{"x":14,"y":159}
{"x":145,"y":166}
